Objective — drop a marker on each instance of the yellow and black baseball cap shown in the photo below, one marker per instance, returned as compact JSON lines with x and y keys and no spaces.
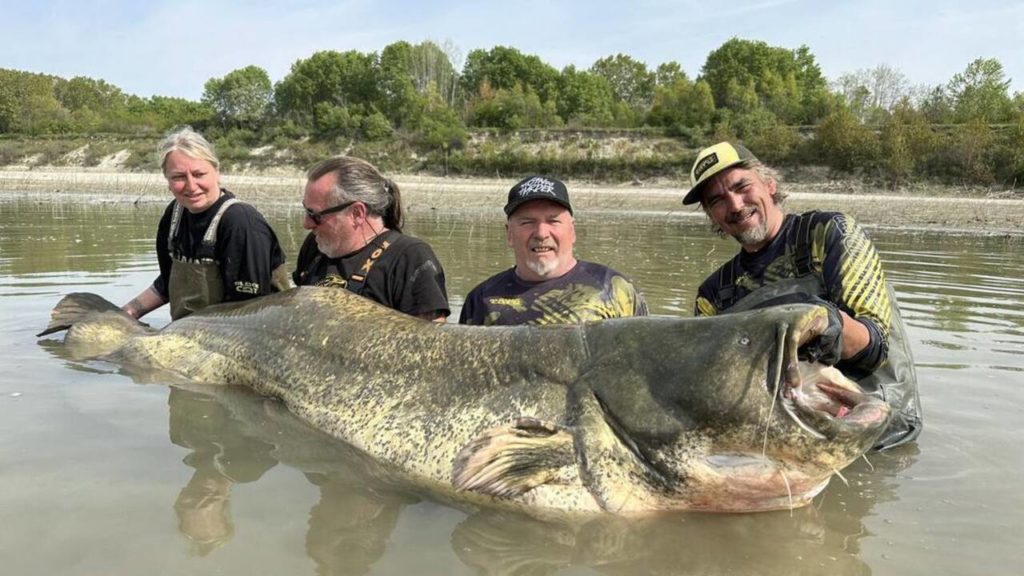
{"x":711,"y":161}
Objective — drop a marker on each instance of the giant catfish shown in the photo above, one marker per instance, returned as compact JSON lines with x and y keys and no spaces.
{"x":626,"y":416}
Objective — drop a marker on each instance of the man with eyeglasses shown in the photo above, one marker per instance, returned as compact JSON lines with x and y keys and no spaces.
{"x":355,"y":241}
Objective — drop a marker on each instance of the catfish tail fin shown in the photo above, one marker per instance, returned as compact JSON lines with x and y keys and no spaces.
{"x":95,"y":325}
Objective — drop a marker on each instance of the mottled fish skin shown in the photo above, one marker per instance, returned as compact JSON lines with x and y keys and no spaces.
{"x":628,"y":416}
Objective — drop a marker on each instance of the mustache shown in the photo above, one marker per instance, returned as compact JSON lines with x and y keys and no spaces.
{"x":741,"y":214}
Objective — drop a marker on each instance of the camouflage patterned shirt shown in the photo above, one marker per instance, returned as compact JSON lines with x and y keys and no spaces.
{"x":587,"y":292}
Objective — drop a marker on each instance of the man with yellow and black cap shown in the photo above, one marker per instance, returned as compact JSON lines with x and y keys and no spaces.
{"x":823,"y":258}
{"x":548,"y":285}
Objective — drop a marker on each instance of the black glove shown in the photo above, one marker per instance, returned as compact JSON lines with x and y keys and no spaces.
{"x":827,"y":347}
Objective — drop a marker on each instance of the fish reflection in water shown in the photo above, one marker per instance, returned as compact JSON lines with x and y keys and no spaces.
{"x":235,"y":436}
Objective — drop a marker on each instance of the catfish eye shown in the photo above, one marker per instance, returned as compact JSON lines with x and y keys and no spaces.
{"x":744,"y":341}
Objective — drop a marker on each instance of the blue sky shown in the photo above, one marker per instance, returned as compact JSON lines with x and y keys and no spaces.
{"x":172,"y":48}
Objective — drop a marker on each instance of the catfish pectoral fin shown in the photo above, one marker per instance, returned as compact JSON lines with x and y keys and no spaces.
{"x":512,"y":459}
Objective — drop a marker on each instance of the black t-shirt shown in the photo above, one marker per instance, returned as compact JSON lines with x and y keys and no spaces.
{"x":247,"y":251}
{"x":587,"y":292}
{"x":396,"y":270}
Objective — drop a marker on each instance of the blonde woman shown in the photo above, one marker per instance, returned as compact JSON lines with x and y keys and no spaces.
{"x":211,"y":247}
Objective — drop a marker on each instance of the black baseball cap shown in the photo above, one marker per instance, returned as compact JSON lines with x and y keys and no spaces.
{"x":537,"y":188}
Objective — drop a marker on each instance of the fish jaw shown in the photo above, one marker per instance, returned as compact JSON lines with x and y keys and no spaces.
{"x":826,"y":401}
{"x":737,"y":482}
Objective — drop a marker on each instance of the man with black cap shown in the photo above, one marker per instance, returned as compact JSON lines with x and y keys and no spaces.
{"x":822,"y":258}
{"x":548,"y":285}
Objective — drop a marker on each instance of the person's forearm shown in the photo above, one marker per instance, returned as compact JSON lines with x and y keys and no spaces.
{"x":147,"y":301}
{"x":855,"y":336}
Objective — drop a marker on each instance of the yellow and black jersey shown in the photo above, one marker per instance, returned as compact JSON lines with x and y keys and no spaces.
{"x":829,"y":245}
{"x":587,"y":292}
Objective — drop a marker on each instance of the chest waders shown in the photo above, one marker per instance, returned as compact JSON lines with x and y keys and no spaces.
{"x":197,"y":283}
{"x":895,"y":381}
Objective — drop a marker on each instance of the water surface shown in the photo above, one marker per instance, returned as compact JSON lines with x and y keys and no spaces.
{"x":101,"y":474}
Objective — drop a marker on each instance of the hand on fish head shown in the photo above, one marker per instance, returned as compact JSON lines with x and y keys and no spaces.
{"x":716,"y":413}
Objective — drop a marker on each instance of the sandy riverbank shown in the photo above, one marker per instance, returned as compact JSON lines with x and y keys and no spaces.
{"x":944,"y":209}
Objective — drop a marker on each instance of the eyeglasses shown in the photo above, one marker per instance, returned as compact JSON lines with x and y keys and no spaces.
{"x":317,"y":217}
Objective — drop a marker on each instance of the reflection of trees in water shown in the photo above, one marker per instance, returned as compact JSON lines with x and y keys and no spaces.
{"x":235,"y":436}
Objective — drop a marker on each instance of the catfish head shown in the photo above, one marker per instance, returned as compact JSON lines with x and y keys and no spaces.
{"x":715,"y":414}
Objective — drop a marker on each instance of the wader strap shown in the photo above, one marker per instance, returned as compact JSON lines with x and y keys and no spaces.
{"x":173,"y":233}
{"x":357,"y":281}
{"x":726,"y":286}
{"x":210,"y":238}
{"x":195,"y":284}
{"x":802,"y":246}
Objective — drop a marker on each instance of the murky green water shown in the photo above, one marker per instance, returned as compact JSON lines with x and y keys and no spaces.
{"x":103,"y":475}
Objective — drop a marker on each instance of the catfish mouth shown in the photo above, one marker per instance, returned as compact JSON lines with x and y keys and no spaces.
{"x":818,"y":398}
{"x":829,"y":405}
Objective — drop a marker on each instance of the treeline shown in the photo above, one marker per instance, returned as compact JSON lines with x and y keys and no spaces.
{"x":425,"y":99}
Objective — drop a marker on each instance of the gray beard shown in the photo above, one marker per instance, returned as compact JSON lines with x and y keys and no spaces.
{"x":542,"y":267}
{"x":753,"y":236}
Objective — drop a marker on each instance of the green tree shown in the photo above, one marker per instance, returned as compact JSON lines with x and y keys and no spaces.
{"x":683,"y":106}
{"x":584,"y":98}
{"x":410,"y":75}
{"x":736,"y":66}
{"x":511,"y":109}
{"x":28,"y":104}
{"x":981,"y":92}
{"x":87,"y":101}
{"x":400,"y":100}
{"x":761,"y":130}
{"x":937,"y":106}
{"x":629,"y":79}
{"x":970,"y":152}
{"x":439,"y":127}
{"x":241,"y":98}
{"x":503,"y":68}
{"x":669,"y":73}
{"x":741,"y":96}
{"x":843,"y":142}
{"x":907,"y":142}
{"x":161,"y":113}
{"x":434,"y":65}
{"x":872,"y":94}
{"x":337,"y":78}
